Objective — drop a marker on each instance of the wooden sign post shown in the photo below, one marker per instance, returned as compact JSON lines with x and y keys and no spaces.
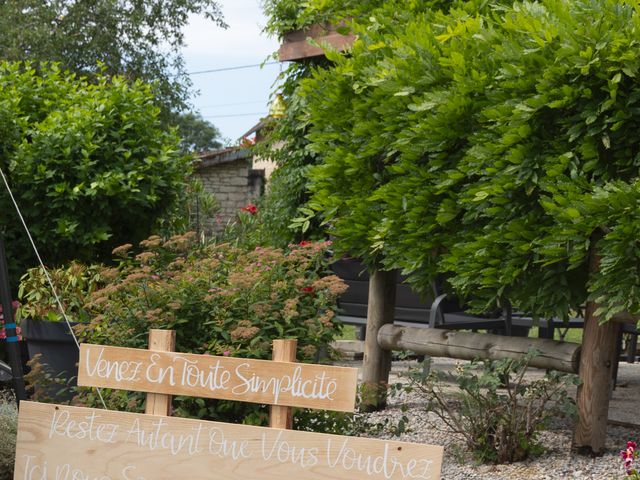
{"x":57,"y":442}
{"x":163,"y":341}
{"x":283,"y":351}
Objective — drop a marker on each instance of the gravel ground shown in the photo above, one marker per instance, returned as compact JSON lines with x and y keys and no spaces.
{"x":557,"y":462}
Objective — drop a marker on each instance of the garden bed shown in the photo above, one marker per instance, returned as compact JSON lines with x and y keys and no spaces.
{"x":557,"y":462}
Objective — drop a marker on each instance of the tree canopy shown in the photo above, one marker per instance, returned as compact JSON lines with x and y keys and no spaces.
{"x":130,"y":38}
{"x":196,"y":133}
{"x":489,"y":143}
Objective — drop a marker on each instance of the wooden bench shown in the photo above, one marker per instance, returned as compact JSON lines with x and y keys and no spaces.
{"x":410,"y":308}
{"x":548,"y":327}
{"x":441,"y":312}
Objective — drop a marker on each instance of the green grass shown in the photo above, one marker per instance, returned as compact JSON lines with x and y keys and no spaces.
{"x":573,"y":335}
{"x":348,"y":333}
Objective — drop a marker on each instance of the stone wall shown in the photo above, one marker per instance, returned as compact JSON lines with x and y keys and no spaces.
{"x":234,"y":184}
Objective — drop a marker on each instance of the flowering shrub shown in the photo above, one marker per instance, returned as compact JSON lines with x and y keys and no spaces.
{"x":628,"y":456}
{"x":221,"y":300}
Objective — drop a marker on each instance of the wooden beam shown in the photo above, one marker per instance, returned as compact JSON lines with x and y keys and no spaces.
{"x":296,"y":44}
{"x":561,"y":356}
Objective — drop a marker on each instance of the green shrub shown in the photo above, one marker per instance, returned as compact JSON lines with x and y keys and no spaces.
{"x":221,"y":300}
{"x":497,"y":411}
{"x":8,"y":432}
{"x":90,"y":163}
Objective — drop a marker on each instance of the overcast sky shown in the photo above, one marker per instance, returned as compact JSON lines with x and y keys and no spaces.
{"x":233,"y":100}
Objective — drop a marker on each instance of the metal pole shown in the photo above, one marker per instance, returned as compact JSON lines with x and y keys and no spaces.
{"x":13,"y":347}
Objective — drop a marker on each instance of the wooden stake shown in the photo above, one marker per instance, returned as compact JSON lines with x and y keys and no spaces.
{"x":377,"y":361}
{"x":283,"y":351}
{"x":162,"y":341}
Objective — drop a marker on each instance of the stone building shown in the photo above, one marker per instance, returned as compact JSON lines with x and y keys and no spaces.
{"x":228,"y":174}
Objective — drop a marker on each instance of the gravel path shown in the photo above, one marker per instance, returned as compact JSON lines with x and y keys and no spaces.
{"x":557,"y":462}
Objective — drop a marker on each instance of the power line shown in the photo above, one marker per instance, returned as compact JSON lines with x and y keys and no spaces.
{"x":226,"y":69}
{"x":235,"y":115}
{"x":232,"y":104}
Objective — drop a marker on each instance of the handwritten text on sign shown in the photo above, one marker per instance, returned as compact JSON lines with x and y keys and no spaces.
{"x":258,"y":381}
{"x":71,"y":443}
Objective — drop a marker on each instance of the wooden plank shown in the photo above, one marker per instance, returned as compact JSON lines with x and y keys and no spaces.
{"x":163,"y":341}
{"x":283,"y":351}
{"x":258,"y":381}
{"x":57,"y":442}
{"x":561,"y":356}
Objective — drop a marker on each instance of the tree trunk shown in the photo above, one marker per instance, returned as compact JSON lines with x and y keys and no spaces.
{"x":377,"y":361}
{"x":562,"y":356}
{"x":597,"y":363}
{"x":596,"y":372}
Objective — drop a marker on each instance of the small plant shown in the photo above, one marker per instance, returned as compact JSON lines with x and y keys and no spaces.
{"x":42,"y":385}
{"x":73,"y":283}
{"x":8,"y":432}
{"x":495,"y":409}
{"x":629,"y":455}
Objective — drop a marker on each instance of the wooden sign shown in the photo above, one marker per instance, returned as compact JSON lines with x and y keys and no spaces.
{"x":258,"y":381}
{"x":58,"y":442}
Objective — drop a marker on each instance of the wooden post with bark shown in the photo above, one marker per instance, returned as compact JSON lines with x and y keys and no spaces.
{"x":377,"y":361}
{"x":597,"y":363}
{"x":436,"y":342}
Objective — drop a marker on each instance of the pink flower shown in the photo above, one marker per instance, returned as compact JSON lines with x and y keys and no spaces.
{"x":628,"y":456}
{"x":226,"y":353}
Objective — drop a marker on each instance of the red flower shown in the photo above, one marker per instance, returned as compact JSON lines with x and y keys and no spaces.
{"x":304,"y":243}
{"x":307,"y":289}
{"x":251,"y":208}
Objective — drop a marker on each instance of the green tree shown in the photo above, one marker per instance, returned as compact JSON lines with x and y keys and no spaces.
{"x":131,"y":38}
{"x":490,"y":149}
{"x":197,"y":134}
{"x":90,"y":163}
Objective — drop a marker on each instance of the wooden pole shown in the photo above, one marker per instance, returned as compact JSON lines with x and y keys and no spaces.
{"x":561,"y":356}
{"x":377,"y":361}
{"x":13,"y":347}
{"x":283,"y":351}
{"x":160,"y":341}
{"x":599,"y":346}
